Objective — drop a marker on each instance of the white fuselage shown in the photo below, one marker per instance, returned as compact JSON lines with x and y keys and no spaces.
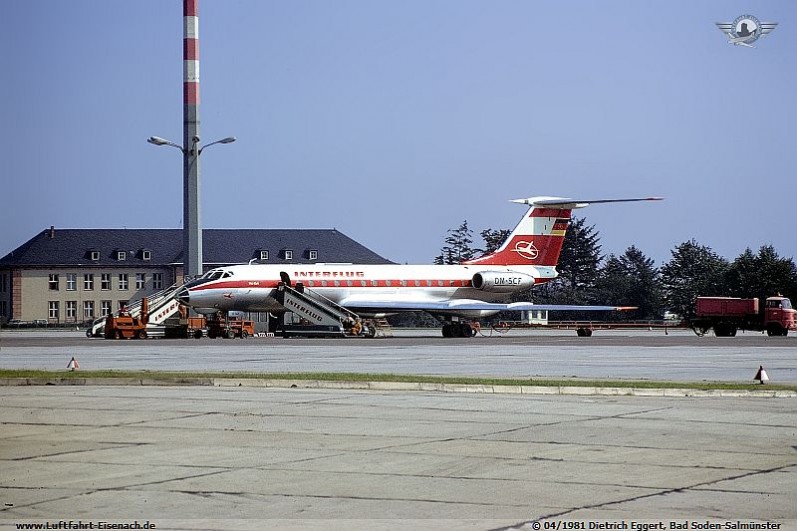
{"x":251,"y":287}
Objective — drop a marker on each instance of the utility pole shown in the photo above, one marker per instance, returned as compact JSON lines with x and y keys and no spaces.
{"x":192,"y":231}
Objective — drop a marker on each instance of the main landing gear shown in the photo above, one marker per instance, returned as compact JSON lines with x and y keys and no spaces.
{"x":458,"y":330}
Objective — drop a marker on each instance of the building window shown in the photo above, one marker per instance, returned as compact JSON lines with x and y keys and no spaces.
{"x":123,"y":281}
{"x":95,"y":256}
{"x":105,"y":281}
{"x":146,"y":255}
{"x":71,"y":310}
{"x":140,"y":280}
{"x":157,"y":281}
{"x":105,"y":308}
{"x":288,"y":254}
{"x":88,"y":309}
{"x":3,"y":283}
{"x":54,"y":310}
{"x":53,"y":282}
{"x":3,"y":309}
{"x":88,"y":281}
{"x":71,"y":281}
{"x":313,"y":254}
{"x":264,"y":255}
{"x":121,"y":255}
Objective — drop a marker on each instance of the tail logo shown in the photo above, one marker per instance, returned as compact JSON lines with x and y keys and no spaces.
{"x":526,"y":250}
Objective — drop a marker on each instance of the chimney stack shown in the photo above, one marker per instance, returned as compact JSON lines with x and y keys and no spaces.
{"x":52,"y":232}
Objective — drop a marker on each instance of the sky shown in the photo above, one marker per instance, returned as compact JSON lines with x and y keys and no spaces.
{"x":395,"y":121}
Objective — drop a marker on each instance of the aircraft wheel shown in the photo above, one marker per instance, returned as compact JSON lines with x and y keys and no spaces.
{"x":467,"y":330}
{"x":447,"y":330}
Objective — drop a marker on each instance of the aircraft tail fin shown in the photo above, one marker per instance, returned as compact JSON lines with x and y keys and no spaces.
{"x":537,"y":240}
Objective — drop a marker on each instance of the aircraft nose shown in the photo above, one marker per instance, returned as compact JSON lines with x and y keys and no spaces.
{"x":182,"y":296}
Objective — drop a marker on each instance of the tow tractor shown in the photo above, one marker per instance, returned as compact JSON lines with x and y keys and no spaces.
{"x":228,"y":327}
{"x":125,"y":326}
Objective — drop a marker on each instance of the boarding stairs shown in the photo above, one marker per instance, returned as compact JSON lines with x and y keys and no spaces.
{"x":325,"y":317}
{"x":163,"y":305}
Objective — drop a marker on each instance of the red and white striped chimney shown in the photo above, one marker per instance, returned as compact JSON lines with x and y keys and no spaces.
{"x":192,"y":229}
{"x":190,"y":52}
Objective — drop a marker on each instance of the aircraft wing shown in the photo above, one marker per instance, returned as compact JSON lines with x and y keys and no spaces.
{"x":466,"y":305}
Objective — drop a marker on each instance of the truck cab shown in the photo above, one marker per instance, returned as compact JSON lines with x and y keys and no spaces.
{"x":779,"y":316}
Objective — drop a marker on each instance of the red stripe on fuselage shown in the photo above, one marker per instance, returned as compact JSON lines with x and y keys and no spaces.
{"x":340,"y":283}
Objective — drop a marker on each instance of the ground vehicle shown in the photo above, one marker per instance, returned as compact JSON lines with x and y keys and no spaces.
{"x":125,"y":326}
{"x":726,"y":315}
{"x":229,"y":327}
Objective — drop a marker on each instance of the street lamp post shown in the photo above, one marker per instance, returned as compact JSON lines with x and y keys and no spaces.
{"x":192,"y":230}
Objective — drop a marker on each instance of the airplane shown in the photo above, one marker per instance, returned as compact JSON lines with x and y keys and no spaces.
{"x":472,"y":289}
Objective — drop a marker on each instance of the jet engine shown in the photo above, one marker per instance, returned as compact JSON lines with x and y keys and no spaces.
{"x":502,"y":281}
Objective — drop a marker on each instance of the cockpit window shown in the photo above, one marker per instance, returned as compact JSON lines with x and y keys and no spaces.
{"x":227,"y":274}
{"x":213,"y":274}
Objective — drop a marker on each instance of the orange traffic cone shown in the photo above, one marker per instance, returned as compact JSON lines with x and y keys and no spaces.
{"x":761,"y":375}
{"x":73,"y":364}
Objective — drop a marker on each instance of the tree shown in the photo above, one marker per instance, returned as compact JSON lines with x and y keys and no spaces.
{"x":494,"y":239}
{"x":457,"y":246}
{"x":580,"y":257}
{"x":631,"y":280}
{"x":761,"y":275}
{"x":693,"y":270}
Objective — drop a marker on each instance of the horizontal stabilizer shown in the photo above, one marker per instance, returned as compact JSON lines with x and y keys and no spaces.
{"x":566,"y":202}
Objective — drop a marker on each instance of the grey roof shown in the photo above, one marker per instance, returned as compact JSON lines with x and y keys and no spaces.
{"x":71,"y":247}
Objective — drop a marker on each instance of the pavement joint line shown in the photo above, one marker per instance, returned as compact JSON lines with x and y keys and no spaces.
{"x":407,"y":386}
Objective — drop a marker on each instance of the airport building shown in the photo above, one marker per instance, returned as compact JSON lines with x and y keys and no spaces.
{"x":64,"y":276}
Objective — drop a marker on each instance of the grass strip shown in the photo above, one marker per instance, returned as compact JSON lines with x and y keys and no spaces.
{"x":386,"y":377}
